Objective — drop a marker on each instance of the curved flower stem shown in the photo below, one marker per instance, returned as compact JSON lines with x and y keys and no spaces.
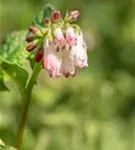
{"x":26,"y":98}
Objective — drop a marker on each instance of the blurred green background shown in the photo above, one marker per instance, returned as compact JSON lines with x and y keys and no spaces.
{"x":96,"y":109}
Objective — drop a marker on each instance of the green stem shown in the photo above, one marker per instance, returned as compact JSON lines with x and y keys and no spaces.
{"x":26,"y":98}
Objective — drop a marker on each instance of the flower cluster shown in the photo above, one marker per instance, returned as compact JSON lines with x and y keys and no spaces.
{"x":59,"y":44}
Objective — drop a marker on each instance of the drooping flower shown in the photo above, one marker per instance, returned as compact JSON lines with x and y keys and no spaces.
{"x":71,"y":36}
{"x":59,"y":37}
{"x":52,"y":59}
{"x":79,"y":53}
{"x":58,"y":34}
{"x":64,"y":48}
{"x":67,"y":66}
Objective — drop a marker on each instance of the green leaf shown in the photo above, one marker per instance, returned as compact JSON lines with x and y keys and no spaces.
{"x":45,"y":12}
{"x":2,"y":145}
{"x":3,"y":87}
{"x":13,"y":57}
{"x":31,"y":59}
{"x":5,"y":147}
{"x":17,"y":73}
{"x":13,"y":52}
{"x":13,"y":48}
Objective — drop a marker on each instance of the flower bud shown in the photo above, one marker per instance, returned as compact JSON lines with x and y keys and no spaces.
{"x":74,"y":14}
{"x":35,"y":30}
{"x":39,"y":56}
{"x":29,"y":38}
{"x":46,"y":20}
{"x":56,"y":15}
{"x":31,"y":46}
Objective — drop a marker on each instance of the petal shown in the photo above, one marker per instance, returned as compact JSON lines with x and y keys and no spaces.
{"x":70,"y":32}
{"x":59,"y":37}
{"x":79,"y":53}
{"x":58,"y":33}
{"x":52,"y":64}
{"x":67,"y":66}
{"x":79,"y":56}
{"x":52,"y":60}
{"x":70,"y":36}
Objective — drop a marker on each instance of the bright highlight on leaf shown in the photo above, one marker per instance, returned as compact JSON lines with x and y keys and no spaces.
{"x":58,"y":42}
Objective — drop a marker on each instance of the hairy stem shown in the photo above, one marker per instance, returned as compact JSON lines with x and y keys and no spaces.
{"x":26,"y":98}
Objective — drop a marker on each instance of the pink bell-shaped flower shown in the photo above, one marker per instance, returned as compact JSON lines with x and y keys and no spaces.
{"x":64,"y":49}
{"x":59,"y":37}
{"x":67,"y":66}
{"x":52,"y":59}
{"x":71,"y":36}
{"x":79,"y":53}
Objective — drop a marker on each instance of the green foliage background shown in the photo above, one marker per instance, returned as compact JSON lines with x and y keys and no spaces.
{"x":96,"y":109}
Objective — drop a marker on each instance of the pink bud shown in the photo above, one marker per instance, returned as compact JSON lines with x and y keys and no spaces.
{"x":39,"y":56}
{"x":74,"y":14}
{"x":33,"y":29}
{"x":31,"y":46}
{"x":46,"y":20}
{"x":56,"y":15}
{"x":29,"y":38}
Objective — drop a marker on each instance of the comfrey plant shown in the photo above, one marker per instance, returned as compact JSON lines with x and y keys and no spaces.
{"x":53,"y":43}
{"x":63,"y":48}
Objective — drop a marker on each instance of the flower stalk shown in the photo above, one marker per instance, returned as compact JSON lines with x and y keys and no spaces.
{"x":26,"y":98}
